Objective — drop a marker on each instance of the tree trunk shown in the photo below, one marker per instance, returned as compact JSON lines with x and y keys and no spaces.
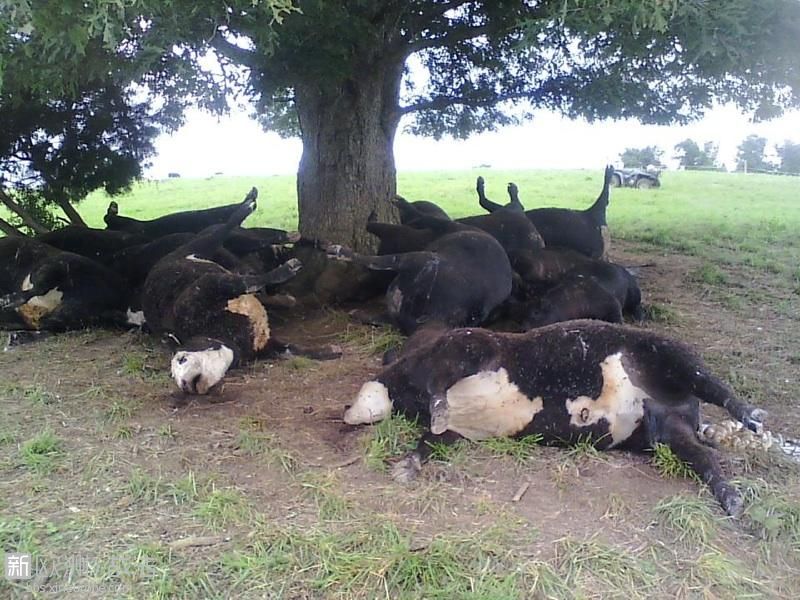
{"x":23,"y":214}
{"x":347,"y":168}
{"x":9,"y":229}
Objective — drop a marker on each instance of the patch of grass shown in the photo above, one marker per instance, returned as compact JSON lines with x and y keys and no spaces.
{"x":770,"y":513}
{"x":708,"y":274}
{"x":591,"y":565}
{"x":143,"y":487}
{"x":299,"y":363}
{"x":186,"y":489}
{"x":520,"y":449}
{"x":721,"y":576}
{"x":689,"y":517}
{"x":581,"y":449}
{"x":323,"y":490}
{"x":372,"y":340}
{"x":166,"y":431}
{"x":660,"y":313}
{"x":17,"y":535}
{"x":121,"y":410}
{"x":7,"y":437}
{"x":133,"y":364}
{"x":43,"y":452}
{"x":222,"y":507}
{"x":669,"y":465}
{"x":125,"y":432}
{"x":391,"y":437}
{"x":450,"y":453}
{"x":374,"y":560}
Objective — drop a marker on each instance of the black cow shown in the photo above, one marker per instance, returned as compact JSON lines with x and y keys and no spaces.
{"x":457,"y":280}
{"x":410,"y":211}
{"x":45,"y":289}
{"x":585,"y":231}
{"x":97,"y":244}
{"x":616,"y":386}
{"x":213,"y":312}
{"x":192,"y":221}
{"x":596,"y":290}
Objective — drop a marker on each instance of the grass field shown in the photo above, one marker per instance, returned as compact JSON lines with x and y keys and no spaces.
{"x":261,"y":493}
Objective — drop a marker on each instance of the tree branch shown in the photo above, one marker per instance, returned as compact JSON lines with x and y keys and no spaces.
{"x":72,"y":214}
{"x":23,"y":214}
{"x":9,"y":229}
{"x":448,"y":39}
{"x":442,"y":102}
{"x":234,"y":52}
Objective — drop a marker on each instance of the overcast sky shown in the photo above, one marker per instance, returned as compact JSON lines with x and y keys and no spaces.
{"x":236,"y":145}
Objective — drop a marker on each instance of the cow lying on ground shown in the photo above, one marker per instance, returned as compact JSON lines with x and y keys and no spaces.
{"x":457,"y":280}
{"x":410,"y":211}
{"x":508,"y":224}
{"x":593,"y":290}
{"x":585,"y":231}
{"x":616,"y":386}
{"x":97,"y":244}
{"x":46,"y":289}
{"x":191,"y":221}
{"x":212,"y":312}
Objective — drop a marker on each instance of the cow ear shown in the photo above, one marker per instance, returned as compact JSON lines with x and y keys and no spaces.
{"x":172,"y":342}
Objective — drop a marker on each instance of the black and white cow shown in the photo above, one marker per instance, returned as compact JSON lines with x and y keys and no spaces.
{"x":585,"y":231}
{"x":617,"y":386}
{"x":457,"y":280}
{"x":42,"y":288}
{"x":212,"y":312}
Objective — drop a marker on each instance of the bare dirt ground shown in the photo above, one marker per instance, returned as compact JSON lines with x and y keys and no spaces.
{"x":261,"y":491}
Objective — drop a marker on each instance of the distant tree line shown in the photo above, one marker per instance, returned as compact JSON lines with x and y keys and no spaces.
{"x":751,"y":156}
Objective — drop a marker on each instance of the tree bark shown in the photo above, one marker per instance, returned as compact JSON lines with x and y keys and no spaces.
{"x":23,"y":214}
{"x":347,"y":169}
{"x":9,"y":229}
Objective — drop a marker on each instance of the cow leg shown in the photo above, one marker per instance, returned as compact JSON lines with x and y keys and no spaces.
{"x":710,"y":389}
{"x":276,"y":276}
{"x":322,"y":353}
{"x":387,"y":262}
{"x":408,"y":468}
{"x":680,"y":436}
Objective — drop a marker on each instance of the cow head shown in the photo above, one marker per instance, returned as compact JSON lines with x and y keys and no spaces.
{"x":201,"y":365}
{"x":372,"y":405}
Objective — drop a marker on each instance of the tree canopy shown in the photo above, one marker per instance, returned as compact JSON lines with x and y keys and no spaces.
{"x":750,"y":155}
{"x":641,"y":157}
{"x":343,"y":74}
{"x":691,"y":156}
{"x":789,"y":154}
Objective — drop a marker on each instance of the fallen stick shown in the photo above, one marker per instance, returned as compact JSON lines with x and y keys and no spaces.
{"x":188,"y":542}
{"x":521,"y":491}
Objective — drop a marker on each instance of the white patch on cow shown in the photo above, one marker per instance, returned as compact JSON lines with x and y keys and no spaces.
{"x":487,"y":405}
{"x":372,"y":405}
{"x":209,"y":365}
{"x":27,"y":284}
{"x":135,"y":318}
{"x":195,"y":258}
{"x":40,"y":306}
{"x":395,"y":301}
{"x":249,"y":306}
{"x":620,"y":402}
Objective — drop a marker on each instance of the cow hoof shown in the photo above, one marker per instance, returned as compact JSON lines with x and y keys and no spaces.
{"x":755,"y":420}
{"x":338,"y":252}
{"x":407,"y":469}
{"x":294,"y":265}
{"x":732,"y":503}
